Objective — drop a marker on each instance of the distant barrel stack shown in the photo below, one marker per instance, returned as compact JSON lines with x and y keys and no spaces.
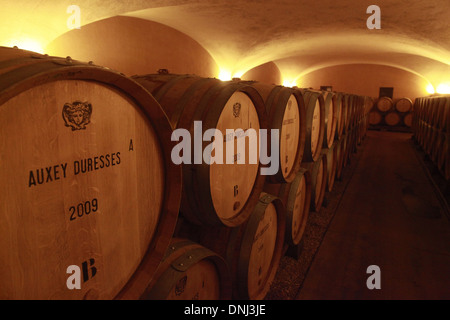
{"x":391,"y":114}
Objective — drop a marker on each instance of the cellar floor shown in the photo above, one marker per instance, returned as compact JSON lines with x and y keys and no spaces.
{"x":385,"y":212}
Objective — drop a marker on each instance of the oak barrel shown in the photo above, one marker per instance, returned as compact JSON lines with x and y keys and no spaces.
{"x":340,"y":148}
{"x":296,"y":197}
{"x":224,"y":191}
{"x":285,"y":108}
{"x":332,"y":161}
{"x":340,"y":112}
{"x":252,"y":250}
{"x":392,"y":118}
{"x":315,"y":124}
{"x":407,"y":120}
{"x":384,"y":104}
{"x":331,"y":110}
{"x":319,"y":180}
{"x":403,"y":105}
{"x":85,"y":152}
{"x":190,"y":271}
{"x":375,"y":118}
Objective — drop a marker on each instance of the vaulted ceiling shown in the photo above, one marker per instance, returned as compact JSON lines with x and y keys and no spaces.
{"x":299,"y":36}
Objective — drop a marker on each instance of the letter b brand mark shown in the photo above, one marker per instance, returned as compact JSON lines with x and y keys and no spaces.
{"x":86,"y":269}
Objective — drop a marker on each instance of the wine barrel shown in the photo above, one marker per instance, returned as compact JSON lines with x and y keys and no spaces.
{"x":438,"y":145}
{"x":331,"y":109}
{"x":340,"y":107}
{"x":445,"y":158}
{"x":407,"y":120}
{"x":190,"y":271}
{"x":224,"y":191}
{"x":443,"y":121}
{"x":332,"y":160}
{"x":347,"y":111}
{"x":403,"y":105}
{"x":319,"y":178}
{"x":349,"y":147}
{"x":85,"y":152}
{"x":252,"y":250}
{"x":384,"y":104}
{"x":435,"y":112}
{"x":296,"y":197}
{"x":368,"y":104}
{"x":315,"y":123}
{"x":341,"y":147}
{"x":286,"y":110}
{"x":375,"y":118}
{"x":392,"y":118}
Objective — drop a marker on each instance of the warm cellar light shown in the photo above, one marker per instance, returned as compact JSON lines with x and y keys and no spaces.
{"x":225,"y":75}
{"x":27,"y":44}
{"x":430,"y":89}
{"x":289,"y":83}
{"x":443,"y":88}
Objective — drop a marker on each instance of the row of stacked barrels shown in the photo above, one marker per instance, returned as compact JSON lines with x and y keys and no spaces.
{"x":105,"y":199}
{"x":252,"y":220}
{"x":431,"y":129}
{"x":391,"y":113}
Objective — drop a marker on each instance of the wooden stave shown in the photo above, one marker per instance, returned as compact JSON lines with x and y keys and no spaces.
{"x":42,"y":69}
{"x":193,"y":97}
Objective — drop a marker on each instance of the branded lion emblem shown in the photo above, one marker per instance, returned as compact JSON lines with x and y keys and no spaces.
{"x":77,"y":115}
{"x":236,"y":109}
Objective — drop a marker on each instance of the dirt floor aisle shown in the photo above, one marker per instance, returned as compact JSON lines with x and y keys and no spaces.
{"x":389,"y":216}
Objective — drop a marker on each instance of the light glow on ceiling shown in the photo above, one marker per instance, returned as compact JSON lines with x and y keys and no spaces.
{"x":289,"y":82}
{"x":430,"y":89}
{"x":225,"y":75}
{"x":443,"y":88}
